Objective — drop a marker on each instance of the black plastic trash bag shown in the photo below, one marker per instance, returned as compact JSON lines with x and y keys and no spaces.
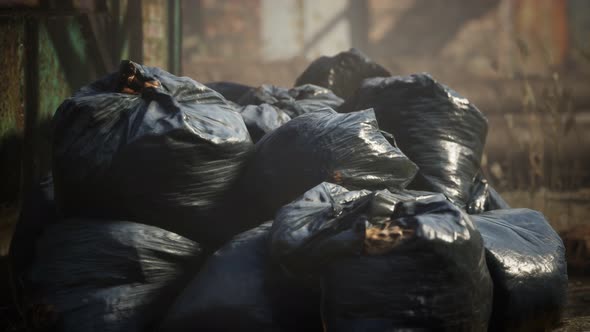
{"x":295,"y":101}
{"x":348,"y":149}
{"x":266,"y":94}
{"x":324,"y":224}
{"x":100,"y":275}
{"x":262,"y":119}
{"x":230,"y":90}
{"x":484,"y":198}
{"x":526,"y":259}
{"x":342,"y":73}
{"x":162,"y":153}
{"x":310,"y":98}
{"x":387,"y":261}
{"x":436,"y":128}
{"x":240,"y":289}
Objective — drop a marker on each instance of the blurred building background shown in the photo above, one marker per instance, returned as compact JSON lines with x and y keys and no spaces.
{"x":524,"y":63}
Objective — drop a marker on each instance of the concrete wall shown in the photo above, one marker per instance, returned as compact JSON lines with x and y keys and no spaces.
{"x":308,"y":28}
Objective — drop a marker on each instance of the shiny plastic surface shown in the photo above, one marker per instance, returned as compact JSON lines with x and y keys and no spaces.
{"x":164,"y":156}
{"x":442,"y":132}
{"x":436,"y":279}
{"x":240,"y":289}
{"x":526,"y":259}
{"x":318,"y":227}
{"x":295,"y":101}
{"x":99,"y":275}
{"x":484,"y":198}
{"x":342,"y":73}
{"x":347,"y":149}
{"x":262,"y":119}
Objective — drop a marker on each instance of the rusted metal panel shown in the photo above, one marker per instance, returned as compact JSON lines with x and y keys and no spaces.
{"x":12,"y":111}
{"x":37,"y":51}
{"x":11,"y":53}
{"x":53,"y":89}
{"x":53,"y":85}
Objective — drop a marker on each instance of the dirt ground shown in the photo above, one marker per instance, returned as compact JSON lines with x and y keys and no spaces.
{"x":577,"y":313}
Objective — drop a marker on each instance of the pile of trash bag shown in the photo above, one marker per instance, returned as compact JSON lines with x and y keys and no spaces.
{"x":442,"y":132}
{"x":342,"y":73}
{"x":262,"y":119}
{"x":386,"y":260}
{"x":354,"y":201}
{"x":142,"y":144}
{"x":347,"y":149}
{"x":295,"y":101}
{"x":103,"y":275}
{"x":239,"y":288}
{"x":526,"y":259}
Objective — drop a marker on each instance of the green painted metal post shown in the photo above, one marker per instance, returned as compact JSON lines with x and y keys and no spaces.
{"x":174,"y":37}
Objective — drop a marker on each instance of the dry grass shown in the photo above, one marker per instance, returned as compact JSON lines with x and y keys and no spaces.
{"x":550,"y":118}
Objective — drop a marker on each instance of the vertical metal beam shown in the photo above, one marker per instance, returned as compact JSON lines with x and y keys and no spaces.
{"x":115,"y":31}
{"x":300,"y":26}
{"x":135,"y":28}
{"x":29,"y":167}
{"x":359,"y":25}
{"x":174,"y":37}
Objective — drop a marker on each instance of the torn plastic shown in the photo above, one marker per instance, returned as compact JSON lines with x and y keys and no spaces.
{"x":526,"y":259}
{"x":101,"y":275}
{"x":433,"y":276}
{"x":262,"y":119}
{"x":442,"y":132}
{"x":342,"y":73}
{"x":347,"y":149}
{"x":240,"y":289}
{"x":295,"y":101}
{"x":162,"y":153}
